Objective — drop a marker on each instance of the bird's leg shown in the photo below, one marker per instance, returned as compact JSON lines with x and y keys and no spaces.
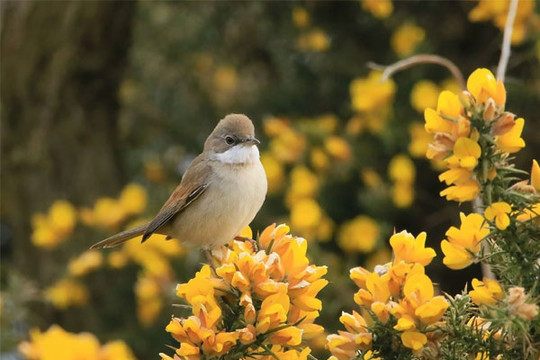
{"x":253,"y":242}
{"x":210,"y":258}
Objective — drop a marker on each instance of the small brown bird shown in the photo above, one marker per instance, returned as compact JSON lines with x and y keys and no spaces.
{"x":219,"y":195}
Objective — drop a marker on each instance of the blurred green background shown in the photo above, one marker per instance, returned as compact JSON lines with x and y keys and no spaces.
{"x":96,"y":95}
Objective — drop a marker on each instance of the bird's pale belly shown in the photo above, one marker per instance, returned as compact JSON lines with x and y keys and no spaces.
{"x":228,"y":205}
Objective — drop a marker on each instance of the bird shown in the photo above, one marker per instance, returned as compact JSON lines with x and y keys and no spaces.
{"x":219,"y":195}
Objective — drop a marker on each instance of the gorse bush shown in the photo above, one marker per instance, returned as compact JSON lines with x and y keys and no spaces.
{"x":399,"y":316}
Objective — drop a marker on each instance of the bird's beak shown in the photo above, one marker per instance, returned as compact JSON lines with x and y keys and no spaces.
{"x":251,"y":141}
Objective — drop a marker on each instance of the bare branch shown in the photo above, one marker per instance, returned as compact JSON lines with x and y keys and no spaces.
{"x":389,"y":70}
{"x":507,"y":39}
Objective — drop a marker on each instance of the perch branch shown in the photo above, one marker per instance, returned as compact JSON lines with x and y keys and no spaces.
{"x":390,"y":70}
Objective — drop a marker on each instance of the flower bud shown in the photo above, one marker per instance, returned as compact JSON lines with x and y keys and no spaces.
{"x":489,"y":111}
{"x":503,"y":124}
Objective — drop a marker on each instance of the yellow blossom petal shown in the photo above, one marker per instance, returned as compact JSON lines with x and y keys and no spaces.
{"x":413,"y":340}
{"x":511,"y":142}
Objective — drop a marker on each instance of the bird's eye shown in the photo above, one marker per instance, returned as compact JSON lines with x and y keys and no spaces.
{"x":229,"y":140}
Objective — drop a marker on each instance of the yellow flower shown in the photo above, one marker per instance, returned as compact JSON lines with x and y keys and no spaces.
{"x":452,"y":85}
{"x":420,"y":140}
{"x":154,"y":171}
{"x":370,"y":178}
{"x":274,"y":126}
{"x":418,"y":289}
{"x":511,"y":142}
{"x":353,"y":322}
{"x":107,"y":213}
{"x":401,"y":169}
{"x":291,"y":336}
{"x":424,"y":94}
{"x":85,"y":263}
{"x":376,"y":290}
{"x":486,"y":292}
{"x":225,"y":79}
{"x":56,"y":343}
{"x":319,"y":159}
{"x":432,"y":311}
{"x":497,"y":10}
{"x":53,"y":228}
{"x":483,"y":85}
{"x":133,"y":199}
{"x":300,"y":17}
{"x":62,"y":217}
{"x":338,"y":148}
{"x":358,"y":234}
{"x":535,"y":175}
{"x":405,"y":39}
{"x":413,"y":340}
{"x":117,"y":350}
{"x":316,"y":40}
{"x":463,"y":243}
{"x":380,"y":9}
{"x":274,"y":172}
{"x":529,"y":214}
{"x":287,"y":146}
{"x":305,"y":215}
{"x":467,"y":151}
{"x":44,"y":236}
{"x":66,"y":293}
{"x":411,"y":250}
{"x":462,"y":191}
{"x":381,"y":256}
{"x":117,"y":259}
{"x":499,"y":211}
{"x":370,"y":93}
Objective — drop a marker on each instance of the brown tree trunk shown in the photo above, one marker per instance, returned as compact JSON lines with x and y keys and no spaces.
{"x":61,"y":64}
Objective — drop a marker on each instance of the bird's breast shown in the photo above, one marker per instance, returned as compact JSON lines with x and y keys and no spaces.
{"x":233,"y":198}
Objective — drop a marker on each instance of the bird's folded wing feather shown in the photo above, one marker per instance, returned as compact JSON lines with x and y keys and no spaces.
{"x":194,"y":183}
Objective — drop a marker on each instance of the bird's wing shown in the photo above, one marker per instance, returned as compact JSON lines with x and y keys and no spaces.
{"x":194,"y":183}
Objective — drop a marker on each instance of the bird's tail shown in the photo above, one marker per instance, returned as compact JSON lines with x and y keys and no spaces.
{"x":120,"y":237}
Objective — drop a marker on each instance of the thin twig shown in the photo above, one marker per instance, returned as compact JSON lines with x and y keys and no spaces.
{"x":507,"y":39}
{"x":389,"y":70}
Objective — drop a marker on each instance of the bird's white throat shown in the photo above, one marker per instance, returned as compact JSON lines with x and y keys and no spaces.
{"x":238,"y":155}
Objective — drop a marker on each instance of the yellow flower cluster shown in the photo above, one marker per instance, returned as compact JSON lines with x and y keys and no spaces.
{"x":406,"y":38}
{"x":463,"y":244}
{"x":370,"y":98}
{"x":534,"y":187}
{"x":458,"y":123}
{"x":359,"y":234}
{"x":490,"y":292}
{"x":287,"y":146}
{"x":402,"y":172}
{"x":380,"y":9}
{"x":425,"y":93}
{"x":154,"y":256}
{"x":110,"y":213}
{"x":66,"y":293}
{"x":300,"y":17}
{"x":315,"y":40}
{"x":487,"y":291}
{"x":49,"y":230}
{"x":85,"y":263}
{"x":497,"y":11}
{"x":398,"y":294}
{"x":256,"y":304}
{"x":56,"y":344}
